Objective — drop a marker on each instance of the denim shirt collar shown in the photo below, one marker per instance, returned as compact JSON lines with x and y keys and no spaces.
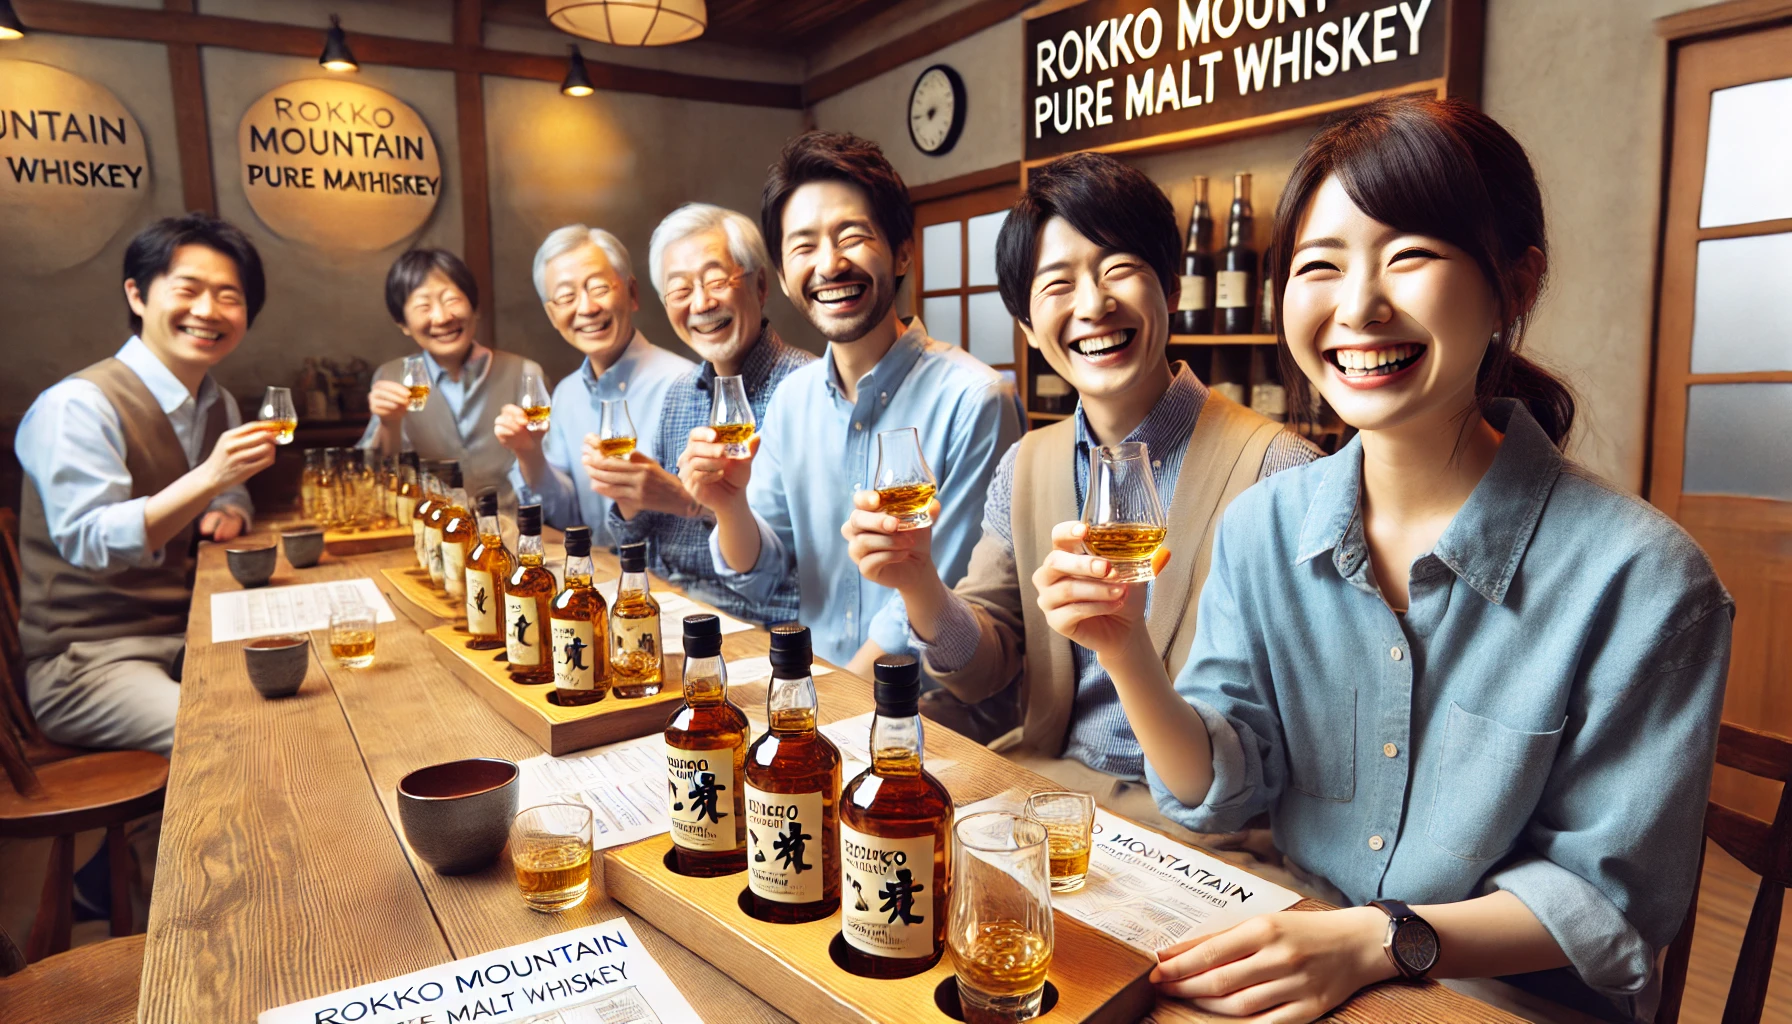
{"x":1169,"y":422}
{"x":623,"y":367}
{"x":756,"y":368}
{"x":472,"y":370}
{"x":1488,"y":536}
{"x":891,"y":370}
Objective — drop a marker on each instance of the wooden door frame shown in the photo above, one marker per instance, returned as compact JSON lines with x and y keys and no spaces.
{"x":957,"y":199}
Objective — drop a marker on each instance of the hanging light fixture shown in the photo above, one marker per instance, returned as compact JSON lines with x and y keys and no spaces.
{"x":577,"y":82}
{"x":631,"y":22}
{"x":336,"y":55}
{"x":10,"y":26}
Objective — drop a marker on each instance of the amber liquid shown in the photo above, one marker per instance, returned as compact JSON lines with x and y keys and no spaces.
{"x":580,"y":603}
{"x":437,"y":520}
{"x":733,"y":433}
{"x":286,"y":427}
{"x":1069,"y":860}
{"x":492,"y":556}
{"x":461,"y":531}
{"x":792,"y":757}
{"x":537,"y":415}
{"x":352,"y":647}
{"x":419,"y":396}
{"x":554,"y":872}
{"x":708,"y":723}
{"x":420,"y":526}
{"x":905,"y":802}
{"x":636,"y":673}
{"x":1004,"y":959}
{"x":616,"y":447}
{"x":1124,"y":542}
{"x":905,"y":499}
{"x":535,"y":585}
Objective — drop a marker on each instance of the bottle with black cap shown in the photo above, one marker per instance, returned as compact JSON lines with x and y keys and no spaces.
{"x":579,"y":629}
{"x":460,"y":531}
{"x":793,"y":790}
{"x":527,"y":594}
{"x":488,"y":566}
{"x":706,"y":755}
{"x":448,"y":475}
{"x":895,"y":838}
{"x":635,"y":652}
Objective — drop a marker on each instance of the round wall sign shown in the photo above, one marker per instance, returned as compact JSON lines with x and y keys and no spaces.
{"x":74,"y":167}
{"x":338,"y":165}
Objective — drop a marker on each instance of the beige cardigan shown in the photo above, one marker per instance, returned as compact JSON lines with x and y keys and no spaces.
{"x":1225,"y":455}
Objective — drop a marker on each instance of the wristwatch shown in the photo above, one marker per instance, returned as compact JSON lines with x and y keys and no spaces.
{"x":1411,"y":944}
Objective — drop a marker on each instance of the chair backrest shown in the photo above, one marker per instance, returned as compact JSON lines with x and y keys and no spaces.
{"x":1762,"y":847}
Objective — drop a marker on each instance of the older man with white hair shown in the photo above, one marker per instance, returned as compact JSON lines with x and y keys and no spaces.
{"x":712,"y":270}
{"x":587,"y":285}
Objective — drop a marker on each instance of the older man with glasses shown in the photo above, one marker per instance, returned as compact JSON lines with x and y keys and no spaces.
{"x":712,"y":270}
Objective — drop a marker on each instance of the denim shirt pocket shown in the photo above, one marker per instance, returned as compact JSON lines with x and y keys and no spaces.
{"x":1322,"y":749}
{"x":1488,"y":782}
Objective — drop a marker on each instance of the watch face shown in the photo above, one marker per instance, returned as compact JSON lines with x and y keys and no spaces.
{"x":934,"y":114}
{"x":1415,"y":944}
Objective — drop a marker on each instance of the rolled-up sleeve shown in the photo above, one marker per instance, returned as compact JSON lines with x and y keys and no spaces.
{"x":71,"y":446}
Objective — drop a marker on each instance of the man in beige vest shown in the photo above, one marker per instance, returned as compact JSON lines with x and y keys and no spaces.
{"x":1087,"y":264}
{"x":126,"y":464}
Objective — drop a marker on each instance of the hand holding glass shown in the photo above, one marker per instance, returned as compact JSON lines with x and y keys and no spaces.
{"x":416,"y":378}
{"x":352,"y":627}
{"x":550,"y":847}
{"x":535,"y":401}
{"x":1126,"y":523}
{"x":1069,"y":820}
{"x":903,"y":482}
{"x":1000,"y":928}
{"x":615,"y":430}
{"x":277,"y":408}
{"x":731,"y":416}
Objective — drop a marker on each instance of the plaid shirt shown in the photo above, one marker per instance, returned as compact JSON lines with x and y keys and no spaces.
{"x":679,"y":548}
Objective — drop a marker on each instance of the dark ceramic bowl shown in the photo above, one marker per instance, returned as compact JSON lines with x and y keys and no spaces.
{"x":252,"y":567}
{"x":457,"y":815}
{"x":277,"y":663}
{"x":303,"y":547}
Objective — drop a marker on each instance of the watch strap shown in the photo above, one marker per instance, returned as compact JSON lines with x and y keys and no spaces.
{"x":1399,"y":914}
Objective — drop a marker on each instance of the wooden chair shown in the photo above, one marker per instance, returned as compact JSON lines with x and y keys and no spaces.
{"x":39,"y":749}
{"x":97,"y":983}
{"x":1763,"y":848}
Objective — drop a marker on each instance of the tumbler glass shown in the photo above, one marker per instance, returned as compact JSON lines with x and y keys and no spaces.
{"x":550,"y":846}
{"x":1069,"y":820}
{"x":1000,"y":927}
{"x":352,"y":634}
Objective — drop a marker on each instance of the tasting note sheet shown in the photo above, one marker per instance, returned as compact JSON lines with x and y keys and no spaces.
{"x":624,"y":784}
{"x":596,"y":975}
{"x":270,"y":611}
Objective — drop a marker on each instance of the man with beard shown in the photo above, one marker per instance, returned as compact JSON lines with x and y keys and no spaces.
{"x":839,"y":218}
{"x":434,"y":299}
{"x":711,"y":269}
{"x":587,"y":285}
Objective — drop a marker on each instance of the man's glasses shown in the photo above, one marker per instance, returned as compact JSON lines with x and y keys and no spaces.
{"x":716,"y":286}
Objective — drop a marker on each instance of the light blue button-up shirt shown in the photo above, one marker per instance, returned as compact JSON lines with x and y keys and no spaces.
{"x":1542,"y":720}
{"x":641,"y":375}
{"x":818,"y":449}
{"x":71,"y":444}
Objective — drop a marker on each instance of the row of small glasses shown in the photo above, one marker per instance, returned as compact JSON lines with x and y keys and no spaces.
{"x":532,"y":395}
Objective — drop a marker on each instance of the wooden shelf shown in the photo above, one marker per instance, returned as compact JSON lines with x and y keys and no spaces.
{"x":1222,"y":339}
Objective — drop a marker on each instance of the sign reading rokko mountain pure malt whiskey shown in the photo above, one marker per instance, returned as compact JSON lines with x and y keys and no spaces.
{"x":75,"y":167}
{"x":1106,"y":73}
{"x":338,"y":165}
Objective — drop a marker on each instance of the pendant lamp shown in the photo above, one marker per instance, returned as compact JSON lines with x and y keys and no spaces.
{"x":10,"y":26}
{"x":631,"y":22}
{"x":577,"y":82}
{"x":336,"y":55}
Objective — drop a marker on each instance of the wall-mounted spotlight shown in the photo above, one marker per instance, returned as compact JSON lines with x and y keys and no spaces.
{"x":10,"y":25}
{"x":577,"y":82}
{"x":336,"y":55}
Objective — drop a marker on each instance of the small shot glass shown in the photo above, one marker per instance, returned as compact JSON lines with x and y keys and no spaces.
{"x":352,"y":634}
{"x":1069,"y":820}
{"x":550,"y":846}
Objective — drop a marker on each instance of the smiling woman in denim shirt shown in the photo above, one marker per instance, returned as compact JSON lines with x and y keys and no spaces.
{"x":1459,"y":670}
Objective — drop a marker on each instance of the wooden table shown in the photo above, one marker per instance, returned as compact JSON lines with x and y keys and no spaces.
{"x":282,"y":875}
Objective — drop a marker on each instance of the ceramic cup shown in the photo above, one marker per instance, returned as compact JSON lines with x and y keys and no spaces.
{"x":457,"y":815}
{"x":277,"y":663}
{"x":252,"y":566}
{"x":303,"y":547}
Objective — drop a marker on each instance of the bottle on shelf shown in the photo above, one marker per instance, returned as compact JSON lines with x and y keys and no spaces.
{"x":579,"y":629}
{"x":793,"y":789}
{"x":429,"y":493}
{"x":895,"y":838}
{"x":706,"y":753}
{"x":1194,"y":310}
{"x":489,"y":565}
{"x":527,"y":594}
{"x":460,"y":531}
{"x":1267,"y":394}
{"x":1235,"y":279}
{"x":636,"y":663}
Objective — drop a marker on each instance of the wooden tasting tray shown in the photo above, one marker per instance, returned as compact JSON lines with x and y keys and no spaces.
{"x":421,"y":602}
{"x":559,"y":730}
{"x":359,"y":542}
{"x":1098,"y":978}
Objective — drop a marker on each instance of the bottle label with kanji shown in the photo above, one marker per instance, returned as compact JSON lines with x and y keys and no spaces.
{"x":522,"y":630}
{"x":784,"y":845}
{"x":700,"y":793}
{"x":886,"y":893}
{"x":575,"y":655}
{"x":482,"y":604}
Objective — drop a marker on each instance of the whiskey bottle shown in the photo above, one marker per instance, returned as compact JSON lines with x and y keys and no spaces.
{"x":635,"y":653}
{"x":460,"y":531}
{"x":429,"y":491}
{"x":793,"y":790}
{"x":488,"y":567}
{"x":1237,"y":275}
{"x":706,"y":752}
{"x":527,"y":594}
{"x":895,"y":834}
{"x":1194,"y":310}
{"x":437,"y":520}
{"x":409,"y":490}
{"x":579,"y":629}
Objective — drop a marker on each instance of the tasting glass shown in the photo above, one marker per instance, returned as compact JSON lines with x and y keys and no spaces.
{"x":1069,"y":820}
{"x":416,"y":378}
{"x":731,"y":416}
{"x":550,"y":847}
{"x":615,"y":429}
{"x":352,"y":633}
{"x":1126,"y":523}
{"x":277,"y":407}
{"x":535,"y":400}
{"x":1000,"y":927}
{"x":904,"y":483}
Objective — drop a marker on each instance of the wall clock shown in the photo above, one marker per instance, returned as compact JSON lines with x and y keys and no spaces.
{"x":936,"y":110}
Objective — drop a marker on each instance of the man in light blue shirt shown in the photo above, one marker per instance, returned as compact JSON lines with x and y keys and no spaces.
{"x":839,"y":219}
{"x":588,"y":288}
{"x":126,"y":464}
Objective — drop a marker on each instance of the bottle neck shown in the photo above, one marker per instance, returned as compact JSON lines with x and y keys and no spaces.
{"x":458,"y":497}
{"x":488,"y":530}
{"x":578,"y":571}
{"x":528,"y":549}
{"x":632,"y":580}
{"x":790,"y":705}
{"x":705,"y":681}
{"x":1238,"y":230}
{"x":896,"y":744}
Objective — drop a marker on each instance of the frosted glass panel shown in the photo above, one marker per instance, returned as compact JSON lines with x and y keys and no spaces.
{"x":1742,"y":305}
{"x":940,"y":314}
{"x":941,"y":257}
{"x":1748,"y":155}
{"x":1736,"y":440}
{"x":992,"y":329}
{"x":983,"y":232}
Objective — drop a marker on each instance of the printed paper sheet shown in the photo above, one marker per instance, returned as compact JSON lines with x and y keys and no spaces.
{"x":624,"y":784}
{"x":301,"y":608}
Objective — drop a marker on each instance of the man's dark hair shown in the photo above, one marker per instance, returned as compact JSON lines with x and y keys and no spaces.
{"x":836,"y":156}
{"x":413,"y":268}
{"x":1111,"y":203}
{"x":152,"y":252}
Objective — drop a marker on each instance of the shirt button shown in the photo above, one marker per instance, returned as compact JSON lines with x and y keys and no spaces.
{"x":1390,"y":750}
{"x":623,"y":386}
{"x":858,"y":426}
{"x":1375,"y":843}
{"x":1396,"y":653}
